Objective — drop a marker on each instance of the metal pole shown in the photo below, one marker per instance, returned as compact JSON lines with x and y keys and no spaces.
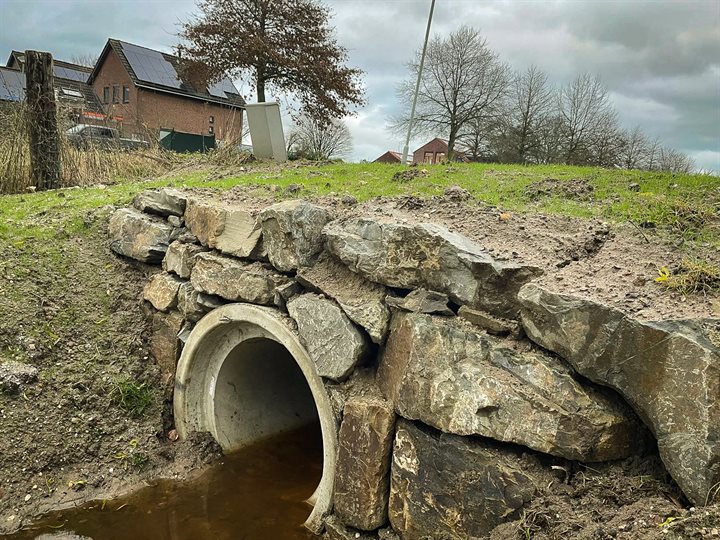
{"x":417,"y":85}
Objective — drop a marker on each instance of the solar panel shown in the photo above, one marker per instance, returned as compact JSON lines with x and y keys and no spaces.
{"x":151,"y":66}
{"x":69,"y":73}
{"x":222,"y":87}
{"x":12,"y":85}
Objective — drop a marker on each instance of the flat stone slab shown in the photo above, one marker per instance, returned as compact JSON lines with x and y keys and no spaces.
{"x":445,"y":486}
{"x":292,"y":233}
{"x":422,"y":301}
{"x":334,"y":344}
{"x":228,"y":229}
{"x":362,"y":471}
{"x":164,"y":343}
{"x":448,"y":375}
{"x":431,"y":257}
{"x":669,"y":371}
{"x":162,"y":202}
{"x":139,"y":236}
{"x":236,"y":280}
{"x":361,"y":300}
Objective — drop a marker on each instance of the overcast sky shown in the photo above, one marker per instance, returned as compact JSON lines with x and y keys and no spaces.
{"x":660,"y":60}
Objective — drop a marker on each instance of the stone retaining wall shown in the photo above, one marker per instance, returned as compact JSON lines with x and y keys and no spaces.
{"x":457,"y":382}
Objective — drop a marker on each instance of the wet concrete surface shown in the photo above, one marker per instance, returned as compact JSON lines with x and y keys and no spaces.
{"x":257,"y":493}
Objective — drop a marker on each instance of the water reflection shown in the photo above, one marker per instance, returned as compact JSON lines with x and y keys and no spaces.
{"x":257,"y":493}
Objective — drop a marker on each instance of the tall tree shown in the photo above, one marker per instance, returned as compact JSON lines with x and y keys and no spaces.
{"x":463,"y":81}
{"x":583,"y":105}
{"x":320,"y":140}
{"x":531,"y":103}
{"x":633,"y":148}
{"x":284,"y":45}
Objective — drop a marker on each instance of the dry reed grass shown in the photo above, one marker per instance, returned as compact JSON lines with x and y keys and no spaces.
{"x":79,"y":167}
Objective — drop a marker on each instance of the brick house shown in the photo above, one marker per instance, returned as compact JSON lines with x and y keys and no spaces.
{"x":145,"y":89}
{"x":389,"y":157}
{"x":431,"y":152}
{"x":72,"y":92}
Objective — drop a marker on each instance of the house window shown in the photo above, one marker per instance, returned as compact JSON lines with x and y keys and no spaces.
{"x":106,"y":94}
{"x":439,"y":157}
{"x":211,"y":130}
{"x":116,"y":94}
{"x":428,"y":158}
{"x":126,"y":94}
{"x":212,"y":119}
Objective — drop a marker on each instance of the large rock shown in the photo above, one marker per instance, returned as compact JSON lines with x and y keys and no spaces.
{"x":449,"y":487}
{"x":452,"y":377}
{"x":235,"y":280}
{"x":336,"y":530}
{"x":292,"y":233}
{"x":362,"y":473}
{"x":667,"y":370}
{"x":162,"y":202}
{"x":139,"y":236}
{"x":428,"y":256}
{"x":226,"y":228}
{"x":332,"y":341}
{"x":361,"y":300}
{"x":180,"y":258}
{"x":162,"y":291}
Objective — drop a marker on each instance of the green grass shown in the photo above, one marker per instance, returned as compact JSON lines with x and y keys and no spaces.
{"x":131,"y":396}
{"x":685,"y":204}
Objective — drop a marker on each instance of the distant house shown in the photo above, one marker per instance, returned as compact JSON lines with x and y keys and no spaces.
{"x":149,"y":90}
{"x":69,"y":80}
{"x":389,"y":157}
{"x":431,"y":152}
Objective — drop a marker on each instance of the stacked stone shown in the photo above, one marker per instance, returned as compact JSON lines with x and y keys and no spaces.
{"x":473,"y":370}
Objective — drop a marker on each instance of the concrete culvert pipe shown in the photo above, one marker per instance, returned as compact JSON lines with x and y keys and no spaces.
{"x":244,"y":375}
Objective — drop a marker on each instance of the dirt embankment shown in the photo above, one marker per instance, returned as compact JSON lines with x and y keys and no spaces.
{"x":95,"y":423}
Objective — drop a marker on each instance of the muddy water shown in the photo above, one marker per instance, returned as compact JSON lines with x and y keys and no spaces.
{"x":255,"y":494}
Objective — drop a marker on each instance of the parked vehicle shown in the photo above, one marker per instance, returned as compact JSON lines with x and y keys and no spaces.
{"x":86,"y":136}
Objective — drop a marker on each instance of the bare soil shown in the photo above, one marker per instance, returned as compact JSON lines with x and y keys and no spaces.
{"x":73,"y":310}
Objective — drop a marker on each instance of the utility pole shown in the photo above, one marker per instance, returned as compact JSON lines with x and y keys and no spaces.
{"x":406,"y":148}
{"x":42,"y":120}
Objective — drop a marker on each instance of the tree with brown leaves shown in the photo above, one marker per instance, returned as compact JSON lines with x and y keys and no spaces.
{"x":283,"y":45}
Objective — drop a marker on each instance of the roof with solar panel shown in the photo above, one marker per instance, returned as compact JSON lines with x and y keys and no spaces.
{"x":160,"y":71}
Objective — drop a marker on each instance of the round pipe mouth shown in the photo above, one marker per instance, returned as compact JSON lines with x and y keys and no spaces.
{"x":244,"y":375}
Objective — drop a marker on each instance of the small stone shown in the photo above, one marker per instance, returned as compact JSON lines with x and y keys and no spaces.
{"x":456,"y":193}
{"x":349,"y":200}
{"x":634,"y":187}
{"x":176,"y":221}
{"x":422,"y":301}
{"x":173,"y":435}
{"x":15,"y":375}
{"x":27,"y":497}
{"x":187,"y":303}
{"x":493,"y":325}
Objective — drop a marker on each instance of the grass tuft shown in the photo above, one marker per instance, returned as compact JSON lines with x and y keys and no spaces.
{"x":131,"y":396}
{"x":693,"y":276}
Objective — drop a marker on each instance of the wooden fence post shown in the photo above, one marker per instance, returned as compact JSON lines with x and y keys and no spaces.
{"x":42,"y":120}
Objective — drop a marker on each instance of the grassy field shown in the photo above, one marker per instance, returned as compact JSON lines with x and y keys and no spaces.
{"x":687,"y":205}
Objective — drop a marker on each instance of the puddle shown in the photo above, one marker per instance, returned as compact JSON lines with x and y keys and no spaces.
{"x":257,"y":493}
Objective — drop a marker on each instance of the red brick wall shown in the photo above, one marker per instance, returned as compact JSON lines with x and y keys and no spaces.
{"x":434,"y":147}
{"x":158,"y":110}
{"x":112,"y":73}
{"x":149,"y":111}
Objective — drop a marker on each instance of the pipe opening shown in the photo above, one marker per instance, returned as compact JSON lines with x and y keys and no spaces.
{"x":260,"y":391}
{"x":244,"y":376}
